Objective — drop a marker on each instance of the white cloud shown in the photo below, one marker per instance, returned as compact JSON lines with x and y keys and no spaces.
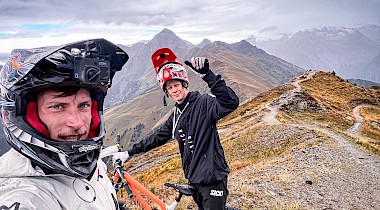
{"x":127,"y":22}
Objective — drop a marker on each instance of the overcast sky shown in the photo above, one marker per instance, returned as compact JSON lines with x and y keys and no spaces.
{"x":36,"y":23}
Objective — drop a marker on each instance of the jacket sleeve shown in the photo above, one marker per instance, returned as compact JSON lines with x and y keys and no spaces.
{"x":225,"y":100}
{"x":158,"y":138}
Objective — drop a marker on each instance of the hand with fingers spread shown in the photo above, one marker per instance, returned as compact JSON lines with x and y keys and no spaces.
{"x":199,"y":65}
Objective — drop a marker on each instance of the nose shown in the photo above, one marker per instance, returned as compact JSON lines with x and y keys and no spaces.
{"x":74,"y":119}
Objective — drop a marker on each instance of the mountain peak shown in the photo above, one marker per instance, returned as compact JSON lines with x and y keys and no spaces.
{"x":166,"y":30}
{"x":167,"y":33}
{"x":204,"y":43}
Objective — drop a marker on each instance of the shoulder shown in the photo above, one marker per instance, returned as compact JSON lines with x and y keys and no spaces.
{"x":13,"y":163}
{"x":24,"y":194}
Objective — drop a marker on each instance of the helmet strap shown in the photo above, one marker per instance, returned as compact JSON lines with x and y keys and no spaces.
{"x":165,"y":104}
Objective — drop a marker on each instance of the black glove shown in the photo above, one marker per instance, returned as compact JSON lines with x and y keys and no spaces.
{"x":199,"y":65}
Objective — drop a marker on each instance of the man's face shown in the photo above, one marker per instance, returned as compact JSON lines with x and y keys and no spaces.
{"x":176,"y":91}
{"x":67,"y":118}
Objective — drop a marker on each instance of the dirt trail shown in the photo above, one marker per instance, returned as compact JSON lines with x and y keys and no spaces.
{"x":270,"y":118}
{"x":359,"y":119}
{"x":338,"y":175}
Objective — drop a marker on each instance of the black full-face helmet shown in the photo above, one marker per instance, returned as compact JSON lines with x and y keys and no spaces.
{"x":89,"y":64}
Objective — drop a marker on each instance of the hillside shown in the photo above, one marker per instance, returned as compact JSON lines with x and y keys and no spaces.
{"x":249,"y":72}
{"x":313,"y":143}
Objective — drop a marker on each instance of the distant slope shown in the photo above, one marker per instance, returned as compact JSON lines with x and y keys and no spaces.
{"x":247,"y":72}
{"x":350,"y":52}
{"x":137,"y":76}
{"x":363,"y":83}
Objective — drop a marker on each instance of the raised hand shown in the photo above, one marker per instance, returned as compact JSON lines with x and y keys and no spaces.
{"x":199,"y":65}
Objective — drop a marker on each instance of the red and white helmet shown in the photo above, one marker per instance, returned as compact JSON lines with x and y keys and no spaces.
{"x":171,"y":71}
{"x":167,"y":67}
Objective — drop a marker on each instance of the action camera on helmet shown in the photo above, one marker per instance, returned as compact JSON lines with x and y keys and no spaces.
{"x":92,"y":71}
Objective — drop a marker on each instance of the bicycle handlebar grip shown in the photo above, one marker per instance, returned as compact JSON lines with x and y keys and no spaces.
{"x":125,"y":183}
{"x":128,"y":189}
{"x":120,"y":171}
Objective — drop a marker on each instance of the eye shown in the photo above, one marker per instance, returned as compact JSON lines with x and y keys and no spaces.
{"x":84,"y":105}
{"x":57,"y":106}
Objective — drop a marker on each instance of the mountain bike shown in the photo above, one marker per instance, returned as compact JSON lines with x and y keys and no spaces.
{"x":121,"y":179}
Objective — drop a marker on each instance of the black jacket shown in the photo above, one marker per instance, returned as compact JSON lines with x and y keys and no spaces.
{"x":202,"y":154}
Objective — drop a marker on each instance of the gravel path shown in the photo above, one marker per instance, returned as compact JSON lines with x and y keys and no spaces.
{"x":324,"y":171}
{"x":358,"y":118}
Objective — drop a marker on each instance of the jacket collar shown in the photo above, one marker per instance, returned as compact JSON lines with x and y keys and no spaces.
{"x":191,"y":96}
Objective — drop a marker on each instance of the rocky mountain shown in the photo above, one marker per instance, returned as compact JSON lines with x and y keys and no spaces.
{"x":350,"y":52}
{"x":246,"y":69}
{"x":137,"y":76}
{"x":204,"y":43}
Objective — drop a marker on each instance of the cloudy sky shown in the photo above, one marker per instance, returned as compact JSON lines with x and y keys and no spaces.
{"x":36,"y":23}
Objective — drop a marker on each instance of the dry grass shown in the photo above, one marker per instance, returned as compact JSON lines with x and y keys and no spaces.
{"x":169,"y":171}
{"x":258,"y":144}
{"x":338,"y":94}
{"x":253,"y":106}
{"x":339,"y":97}
{"x":371,"y":125}
{"x":328,"y":119}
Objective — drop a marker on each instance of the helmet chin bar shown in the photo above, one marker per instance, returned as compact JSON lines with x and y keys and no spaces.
{"x":80,"y":164}
{"x":63,"y":159}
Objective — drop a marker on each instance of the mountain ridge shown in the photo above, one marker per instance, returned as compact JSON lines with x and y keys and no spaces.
{"x":347,"y":51}
{"x":249,"y":71}
{"x":137,"y":75}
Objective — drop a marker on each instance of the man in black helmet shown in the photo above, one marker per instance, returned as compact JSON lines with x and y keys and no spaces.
{"x":52,"y":113}
{"x":193,"y":125}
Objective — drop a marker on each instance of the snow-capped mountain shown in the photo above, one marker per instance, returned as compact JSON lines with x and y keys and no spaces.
{"x":348,"y":51}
